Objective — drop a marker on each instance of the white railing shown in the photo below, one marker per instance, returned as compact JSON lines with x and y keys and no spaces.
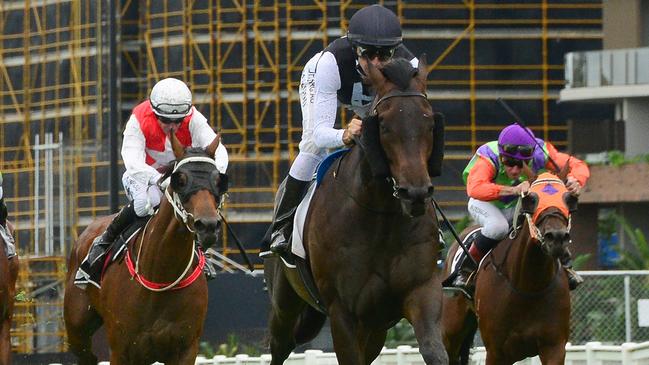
{"x":592,"y":353}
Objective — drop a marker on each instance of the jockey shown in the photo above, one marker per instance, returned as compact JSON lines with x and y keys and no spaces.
{"x":4,"y":229}
{"x":330,"y":77}
{"x":494,"y":181}
{"x":146,"y":148}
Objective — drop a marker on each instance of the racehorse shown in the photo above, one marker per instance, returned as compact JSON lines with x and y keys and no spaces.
{"x":8,"y":276}
{"x":371,"y":233}
{"x":521,"y":300}
{"x":146,"y":319}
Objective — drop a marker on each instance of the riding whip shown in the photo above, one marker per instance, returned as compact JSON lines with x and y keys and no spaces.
{"x":239,"y":245}
{"x":521,"y":123}
{"x":453,"y":231}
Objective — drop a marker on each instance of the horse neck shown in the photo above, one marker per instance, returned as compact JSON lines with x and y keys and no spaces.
{"x":368,"y":191}
{"x":166,"y":246}
{"x":527,"y":266}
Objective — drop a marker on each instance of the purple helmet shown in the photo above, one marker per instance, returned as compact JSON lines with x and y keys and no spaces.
{"x":516,"y":142}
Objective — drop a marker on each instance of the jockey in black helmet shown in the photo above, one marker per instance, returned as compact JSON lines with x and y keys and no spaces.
{"x":332,"y":77}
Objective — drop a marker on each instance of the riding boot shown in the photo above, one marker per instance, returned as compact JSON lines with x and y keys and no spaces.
{"x":481,"y":245}
{"x":101,"y":244}
{"x":574,"y":279}
{"x":3,"y":212}
{"x":282,"y":226}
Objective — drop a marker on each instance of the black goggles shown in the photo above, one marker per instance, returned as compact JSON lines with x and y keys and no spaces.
{"x":511,"y":162}
{"x":518,"y":149}
{"x":383,"y":53}
{"x":166,"y":120}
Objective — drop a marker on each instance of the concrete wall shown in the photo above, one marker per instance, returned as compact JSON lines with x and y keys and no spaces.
{"x":622,"y":23}
{"x":635,"y":113}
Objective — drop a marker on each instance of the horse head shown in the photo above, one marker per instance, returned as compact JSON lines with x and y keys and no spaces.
{"x":402,"y":136}
{"x":547,"y":208}
{"x":196,"y":189}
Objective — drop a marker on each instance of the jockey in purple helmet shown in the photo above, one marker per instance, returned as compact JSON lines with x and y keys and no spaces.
{"x":494,"y":180}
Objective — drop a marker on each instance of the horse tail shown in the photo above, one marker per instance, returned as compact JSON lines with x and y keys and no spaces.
{"x":467,"y":343}
{"x":308,"y":325}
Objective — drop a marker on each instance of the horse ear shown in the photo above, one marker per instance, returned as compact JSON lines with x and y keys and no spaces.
{"x":211,"y":149}
{"x":527,"y":171}
{"x":179,"y":150}
{"x":422,"y":69}
{"x":563,"y":174}
{"x":529,"y":203}
{"x":571,"y":201}
{"x":375,"y":76}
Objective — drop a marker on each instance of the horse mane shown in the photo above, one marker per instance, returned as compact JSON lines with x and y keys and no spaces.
{"x":399,"y":71}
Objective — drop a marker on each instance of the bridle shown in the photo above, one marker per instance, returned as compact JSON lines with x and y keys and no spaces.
{"x":176,"y":200}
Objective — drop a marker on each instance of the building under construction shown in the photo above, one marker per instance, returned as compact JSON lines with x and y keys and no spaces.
{"x":242,"y":61}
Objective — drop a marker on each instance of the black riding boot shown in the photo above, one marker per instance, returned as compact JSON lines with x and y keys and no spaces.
{"x":101,"y":243}
{"x":3,"y":212}
{"x":574,"y":279}
{"x":481,"y":245}
{"x":282,"y":226}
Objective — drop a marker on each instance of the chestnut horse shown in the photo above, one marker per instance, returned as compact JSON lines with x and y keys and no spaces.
{"x":145,"y":322}
{"x":521,"y":300}
{"x":8,"y":276}
{"x":371,"y":233}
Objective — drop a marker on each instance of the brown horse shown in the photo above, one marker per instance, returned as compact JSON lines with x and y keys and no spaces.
{"x":147,"y":322}
{"x":8,"y":276}
{"x":371,"y":233}
{"x":521,"y":299}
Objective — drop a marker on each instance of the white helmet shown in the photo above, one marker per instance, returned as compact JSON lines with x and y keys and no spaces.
{"x":171,"y":98}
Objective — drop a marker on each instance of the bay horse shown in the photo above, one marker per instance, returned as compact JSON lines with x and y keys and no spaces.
{"x":8,"y":275}
{"x":522,"y":299}
{"x":371,"y":233}
{"x":146,"y":319}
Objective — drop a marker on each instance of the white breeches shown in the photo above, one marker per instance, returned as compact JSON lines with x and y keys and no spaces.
{"x":495,"y":222}
{"x":144,"y":196}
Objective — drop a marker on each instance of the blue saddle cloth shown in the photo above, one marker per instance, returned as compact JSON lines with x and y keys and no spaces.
{"x":326,"y":164}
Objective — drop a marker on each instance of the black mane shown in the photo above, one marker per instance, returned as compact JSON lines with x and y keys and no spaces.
{"x":400,"y":72}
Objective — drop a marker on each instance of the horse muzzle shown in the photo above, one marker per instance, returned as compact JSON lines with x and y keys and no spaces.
{"x":207,"y":231}
{"x":555,"y":242}
{"x":414,"y":200}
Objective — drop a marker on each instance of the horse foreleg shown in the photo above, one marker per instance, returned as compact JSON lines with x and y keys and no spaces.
{"x":81,"y":322}
{"x":423,"y":312}
{"x":346,"y":335}
{"x":5,"y":342}
{"x":374,"y":345}
{"x":553,"y":355}
{"x":285,"y":312}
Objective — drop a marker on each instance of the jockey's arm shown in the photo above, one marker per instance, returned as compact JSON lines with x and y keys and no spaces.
{"x":578,"y":168}
{"x":480,"y":183}
{"x":325,"y":104}
{"x":202,"y":135}
{"x":134,"y":155}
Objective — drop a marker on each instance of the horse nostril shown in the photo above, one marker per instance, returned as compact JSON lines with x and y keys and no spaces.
{"x":206,"y":225}
{"x":558,"y":236}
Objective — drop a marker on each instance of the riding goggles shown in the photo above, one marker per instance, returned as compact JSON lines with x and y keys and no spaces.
{"x":172,"y":109}
{"x":166,"y":120}
{"x":383,"y":53}
{"x":518,"y":149}
{"x":511,"y":162}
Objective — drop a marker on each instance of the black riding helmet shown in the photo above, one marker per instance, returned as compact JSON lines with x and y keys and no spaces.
{"x":374,"y":26}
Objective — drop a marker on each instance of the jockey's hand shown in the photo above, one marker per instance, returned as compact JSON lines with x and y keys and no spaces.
{"x":353,"y":129}
{"x":573,"y":186}
{"x":523,"y":188}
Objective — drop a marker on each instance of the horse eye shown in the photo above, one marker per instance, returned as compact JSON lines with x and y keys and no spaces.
{"x":178,"y":180}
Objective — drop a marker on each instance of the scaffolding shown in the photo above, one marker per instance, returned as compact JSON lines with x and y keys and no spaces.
{"x":243,"y":60}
